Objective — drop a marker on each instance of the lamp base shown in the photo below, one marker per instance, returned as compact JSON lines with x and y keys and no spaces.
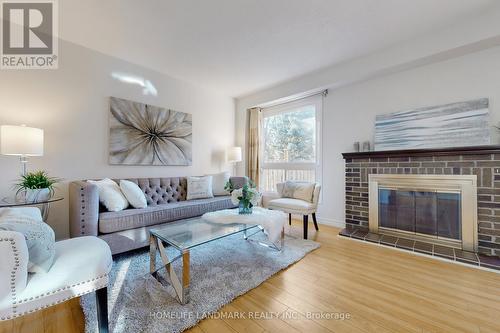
{"x":24,"y":163}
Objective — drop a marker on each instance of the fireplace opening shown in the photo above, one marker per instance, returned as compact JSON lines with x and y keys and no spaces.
{"x":421,"y":212}
{"x":441,"y":209}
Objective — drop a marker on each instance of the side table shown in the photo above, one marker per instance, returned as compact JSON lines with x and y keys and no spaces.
{"x":17,"y":202}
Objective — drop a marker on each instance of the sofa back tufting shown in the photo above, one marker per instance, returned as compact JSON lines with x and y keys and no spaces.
{"x":159,"y":191}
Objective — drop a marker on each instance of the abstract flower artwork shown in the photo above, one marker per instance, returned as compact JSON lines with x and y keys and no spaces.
{"x":141,"y":134}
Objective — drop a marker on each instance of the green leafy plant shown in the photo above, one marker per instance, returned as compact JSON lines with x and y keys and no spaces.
{"x":36,"y":180}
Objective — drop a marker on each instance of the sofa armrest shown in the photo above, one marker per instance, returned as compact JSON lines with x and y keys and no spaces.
{"x":83,"y":209}
{"x":13,"y":269}
{"x":238,"y":181}
{"x":268,"y":196}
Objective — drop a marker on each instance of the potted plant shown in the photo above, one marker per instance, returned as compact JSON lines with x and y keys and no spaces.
{"x":37,"y":185}
{"x":245,"y":197}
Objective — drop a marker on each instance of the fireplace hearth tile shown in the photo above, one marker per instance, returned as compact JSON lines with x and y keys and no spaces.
{"x":359,"y":234}
{"x":374,"y":238}
{"x":388,"y":240}
{"x":466,"y":256}
{"x":345,"y":232}
{"x":443,"y":251}
{"x":404,"y":243}
{"x":422,"y":247}
{"x":430,"y":249}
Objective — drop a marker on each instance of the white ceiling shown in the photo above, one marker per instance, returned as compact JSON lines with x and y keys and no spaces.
{"x":241,"y":46}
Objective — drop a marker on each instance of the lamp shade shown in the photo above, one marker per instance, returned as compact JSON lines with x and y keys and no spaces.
{"x":21,"y":140}
{"x":233,"y":154}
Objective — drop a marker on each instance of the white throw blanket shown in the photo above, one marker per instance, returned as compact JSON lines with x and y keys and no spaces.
{"x":273,"y":221}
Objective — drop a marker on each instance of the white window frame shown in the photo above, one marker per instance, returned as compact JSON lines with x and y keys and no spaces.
{"x":317,"y":101}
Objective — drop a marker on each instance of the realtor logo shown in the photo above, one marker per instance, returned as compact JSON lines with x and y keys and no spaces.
{"x":29,"y":34}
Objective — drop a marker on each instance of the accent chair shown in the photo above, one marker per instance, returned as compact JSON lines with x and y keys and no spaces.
{"x":81,"y":266}
{"x":276,"y":201}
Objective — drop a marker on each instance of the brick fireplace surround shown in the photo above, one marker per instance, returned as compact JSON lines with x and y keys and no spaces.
{"x":483,"y":161}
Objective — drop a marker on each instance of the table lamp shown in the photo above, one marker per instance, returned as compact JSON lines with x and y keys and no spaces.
{"x":21,"y":141}
{"x":233,"y":155}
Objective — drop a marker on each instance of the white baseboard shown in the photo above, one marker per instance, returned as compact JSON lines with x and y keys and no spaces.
{"x":331,"y":222}
{"x":324,"y":220}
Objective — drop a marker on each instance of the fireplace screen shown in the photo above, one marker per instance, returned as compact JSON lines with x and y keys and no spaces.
{"x":424,"y":212}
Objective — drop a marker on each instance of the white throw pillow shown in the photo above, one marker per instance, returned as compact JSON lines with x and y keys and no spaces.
{"x":40,"y":238}
{"x":110,"y":195}
{"x":219,"y":181}
{"x":199,"y":187}
{"x":133,"y":193}
{"x":299,"y":190}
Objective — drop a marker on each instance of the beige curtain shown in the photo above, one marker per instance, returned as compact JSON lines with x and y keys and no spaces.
{"x":253,"y":148}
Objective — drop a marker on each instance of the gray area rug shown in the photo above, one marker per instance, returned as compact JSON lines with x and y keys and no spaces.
{"x":220,"y":271}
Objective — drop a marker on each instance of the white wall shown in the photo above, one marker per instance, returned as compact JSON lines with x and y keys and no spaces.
{"x":72,"y":103}
{"x":349,"y":112}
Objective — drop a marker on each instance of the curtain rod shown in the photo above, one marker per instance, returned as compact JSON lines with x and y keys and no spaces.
{"x":292,"y":98}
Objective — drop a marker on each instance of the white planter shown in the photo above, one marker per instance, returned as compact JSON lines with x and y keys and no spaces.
{"x":37,"y":195}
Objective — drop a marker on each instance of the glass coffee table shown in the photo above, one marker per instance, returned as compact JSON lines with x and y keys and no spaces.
{"x":186,"y":234}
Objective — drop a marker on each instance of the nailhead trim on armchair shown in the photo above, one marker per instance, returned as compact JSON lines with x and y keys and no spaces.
{"x":13,"y":274}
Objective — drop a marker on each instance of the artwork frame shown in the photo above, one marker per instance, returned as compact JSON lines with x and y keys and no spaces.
{"x":144,"y":134}
{"x":459,"y":124}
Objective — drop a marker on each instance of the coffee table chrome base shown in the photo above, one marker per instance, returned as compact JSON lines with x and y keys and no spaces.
{"x":275,"y":246}
{"x":181,"y":286}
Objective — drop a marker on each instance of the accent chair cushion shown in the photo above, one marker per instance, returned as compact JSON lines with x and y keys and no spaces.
{"x":289,"y":205}
{"x":199,"y":187}
{"x":133,"y":194}
{"x":40,"y":238}
{"x":110,"y":195}
{"x":298,"y":190}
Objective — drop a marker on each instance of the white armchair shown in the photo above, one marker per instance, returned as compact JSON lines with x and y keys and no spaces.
{"x":276,"y":201}
{"x":81,"y":265}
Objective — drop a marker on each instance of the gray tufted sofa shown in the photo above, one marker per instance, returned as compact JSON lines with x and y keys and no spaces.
{"x":129,"y":229}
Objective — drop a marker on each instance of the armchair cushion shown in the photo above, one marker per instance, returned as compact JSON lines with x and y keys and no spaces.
{"x":293,"y":206}
{"x":39,"y":236}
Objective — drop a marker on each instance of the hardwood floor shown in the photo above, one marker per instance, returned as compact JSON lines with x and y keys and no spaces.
{"x":380,"y":289}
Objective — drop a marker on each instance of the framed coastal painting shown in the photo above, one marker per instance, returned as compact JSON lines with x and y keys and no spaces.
{"x":142,"y":134}
{"x":451,"y":125}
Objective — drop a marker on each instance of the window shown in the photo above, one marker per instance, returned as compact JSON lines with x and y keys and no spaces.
{"x":290,"y":142}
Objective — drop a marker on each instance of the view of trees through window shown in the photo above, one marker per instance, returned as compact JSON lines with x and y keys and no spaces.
{"x":289,"y":145}
{"x":290,"y":137}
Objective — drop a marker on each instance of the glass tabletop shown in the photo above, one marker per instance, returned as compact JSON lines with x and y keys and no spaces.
{"x":14,"y":202}
{"x":186,"y":234}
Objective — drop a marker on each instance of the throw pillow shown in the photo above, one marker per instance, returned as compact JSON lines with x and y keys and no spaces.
{"x":40,"y":238}
{"x":133,"y":193}
{"x":110,"y":195}
{"x":299,"y":190}
{"x":199,"y":187}
{"x":219,"y":181}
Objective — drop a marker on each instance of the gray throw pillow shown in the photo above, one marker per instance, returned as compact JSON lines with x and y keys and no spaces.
{"x":40,"y":238}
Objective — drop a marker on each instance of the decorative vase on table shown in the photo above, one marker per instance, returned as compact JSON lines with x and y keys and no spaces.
{"x":245,"y":197}
{"x":37,"y":195}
